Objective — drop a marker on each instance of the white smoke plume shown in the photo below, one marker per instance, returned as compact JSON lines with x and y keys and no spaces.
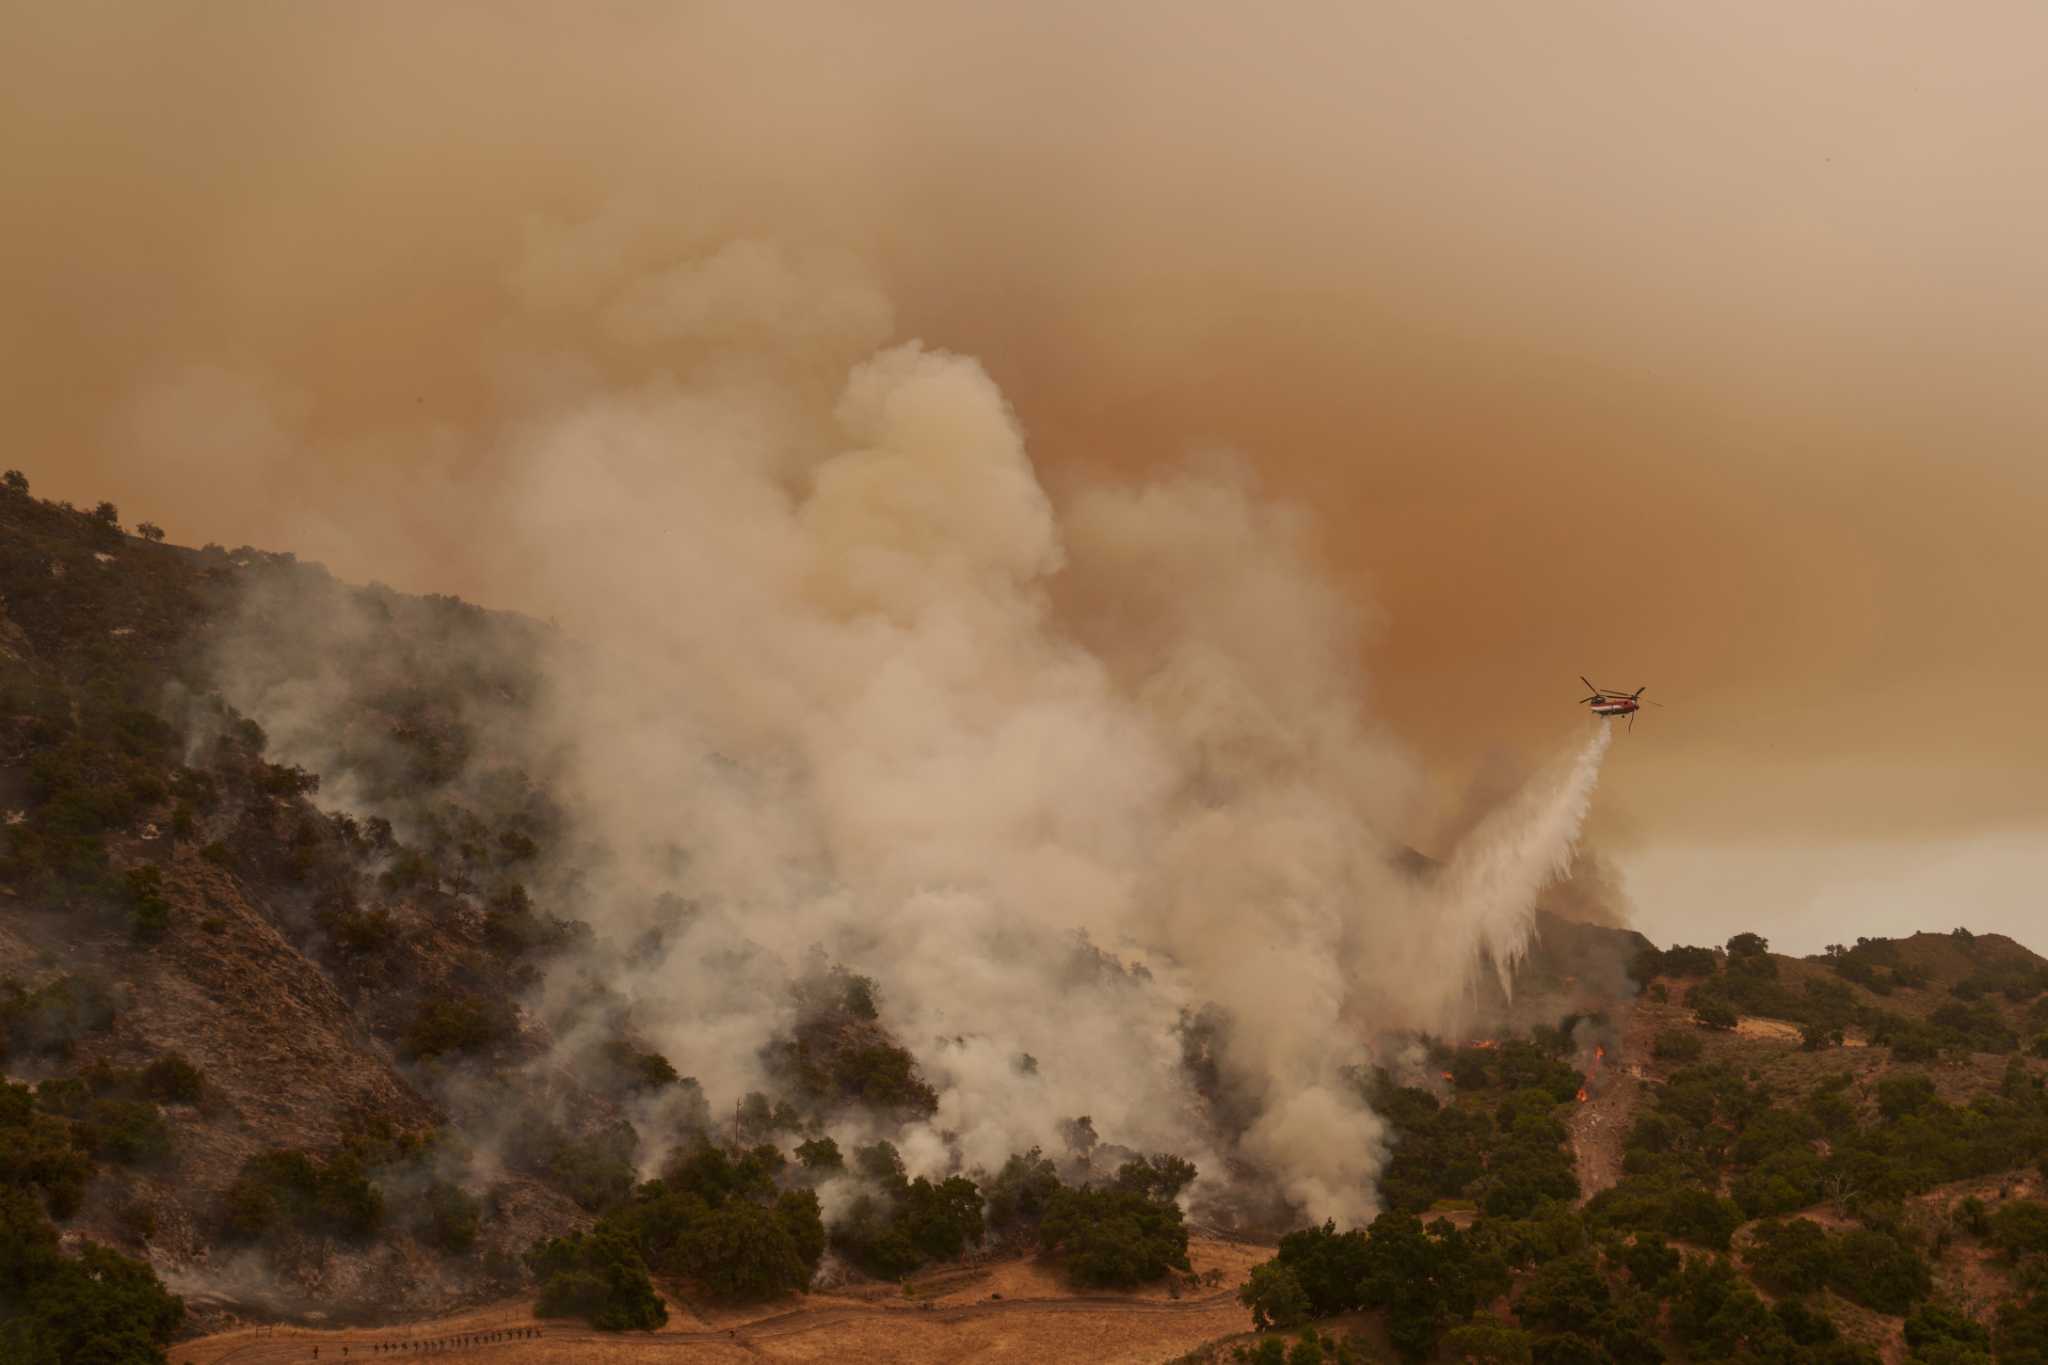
{"x":843,"y":677}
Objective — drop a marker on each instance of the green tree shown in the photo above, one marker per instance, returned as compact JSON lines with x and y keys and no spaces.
{"x":1650,"y":1261}
{"x":1425,"y":1279}
{"x":599,"y":1278}
{"x":1792,"y":1258}
{"x":745,"y":1251}
{"x":1880,"y":1272}
{"x":820,"y":1156}
{"x":97,"y":1306}
{"x":1114,"y":1237}
{"x":1563,"y":1295}
{"x":1020,"y":1193}
{"x":1275,"y":1296}
{"x":1716,"y":1314}
{"x":1161,"y":1176}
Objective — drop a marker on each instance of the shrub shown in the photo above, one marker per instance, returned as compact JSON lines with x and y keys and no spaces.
{"x":285,"y":1189}
{"x":513,"y":926}
{"x":596,"y":1170}
{"x":47,"y":1021}
{"x":1490,"y":1342}
{"x":1674,"y":961}
{"x":127,"y":1132}
{"x":149,"y":912}
{"x":2020,"y":1228}
{"x":1714,"y":1013}
{"x":1817,"y":1037}
{"x":1674,"y":1046}
{"x":36,"y":1150}
{"x":1937,"y":1324}
{"x":173,"y":1080}
{"x":468,"y":1023}
{"x":1161,"y":1176}
{"x":623,"y":1068}
{"x":448,"y":1217}
{"x":1910,"y":1093}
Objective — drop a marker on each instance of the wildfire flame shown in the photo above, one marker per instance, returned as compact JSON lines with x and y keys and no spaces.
{"x":1484,"y":1042}
{"x":1448,"y":1076}
{"x":1599,"y":1051}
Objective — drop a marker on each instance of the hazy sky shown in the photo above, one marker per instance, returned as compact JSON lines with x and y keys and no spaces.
{"x":1690,"y":345}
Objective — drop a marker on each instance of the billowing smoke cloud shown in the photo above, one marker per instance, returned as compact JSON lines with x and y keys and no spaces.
{"x":606,"y":319}
{"x":1680,"y":345}
{"x":839,"y":676}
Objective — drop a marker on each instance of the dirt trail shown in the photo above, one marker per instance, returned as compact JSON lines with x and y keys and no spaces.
{"x":488,"y":1342}
{"x":965,"y":1321}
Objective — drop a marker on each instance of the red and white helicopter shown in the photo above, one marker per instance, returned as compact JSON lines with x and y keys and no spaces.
{"x":1612,"y":704}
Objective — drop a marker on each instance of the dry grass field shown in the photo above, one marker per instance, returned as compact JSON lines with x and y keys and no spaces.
{"x":1015,"y":1310}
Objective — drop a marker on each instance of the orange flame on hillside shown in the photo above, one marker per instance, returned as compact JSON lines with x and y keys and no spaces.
{"x":1582,"y":1094}
{"x":1484,"y":1042}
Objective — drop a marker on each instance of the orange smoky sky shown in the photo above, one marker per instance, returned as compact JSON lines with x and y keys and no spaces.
{"x":1695,"y":346}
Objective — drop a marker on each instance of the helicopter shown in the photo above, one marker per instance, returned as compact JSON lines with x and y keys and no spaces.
{"x":1609,"y":703}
